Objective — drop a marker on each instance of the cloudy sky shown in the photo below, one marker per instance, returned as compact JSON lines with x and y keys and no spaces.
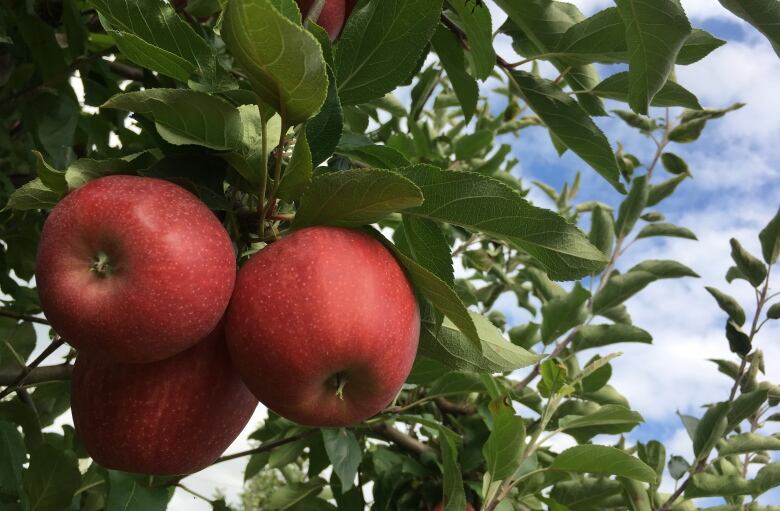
{"x":733,"y":194}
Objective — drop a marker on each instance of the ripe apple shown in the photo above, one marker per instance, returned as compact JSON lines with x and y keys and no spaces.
{"x":333,"y":16}
{"x":133,"y":268}
{"x":323,"y":326}
{"x":170,"y":417}
{"x":440,"y":507}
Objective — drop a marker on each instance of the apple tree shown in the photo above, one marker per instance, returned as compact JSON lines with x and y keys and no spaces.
{"x":386,"y":128}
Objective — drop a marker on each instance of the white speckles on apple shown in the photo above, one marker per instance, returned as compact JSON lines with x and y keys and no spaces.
{"x":176,"y":269}
{"x":322,"y":301}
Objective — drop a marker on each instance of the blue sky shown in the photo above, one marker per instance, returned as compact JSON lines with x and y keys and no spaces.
{"x":733,"y":194}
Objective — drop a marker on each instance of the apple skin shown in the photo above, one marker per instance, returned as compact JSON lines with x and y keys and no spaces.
{"x":171,"y":269}
{"x":440,"y":507}
{"x":320,"y":304}
{"x":333,"y":16}
{"x":170,"y":417}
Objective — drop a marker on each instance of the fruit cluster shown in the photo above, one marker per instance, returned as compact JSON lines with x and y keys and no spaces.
{"x":175,"y":349}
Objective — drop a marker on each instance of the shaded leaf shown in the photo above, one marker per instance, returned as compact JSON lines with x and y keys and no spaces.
{"x":354,"y":198}
{"x":284,"y":61}
{"x":599,"y":459}
{"x":368,"y":63}
{"x":570,"y":123}
{"x":483,"y":204}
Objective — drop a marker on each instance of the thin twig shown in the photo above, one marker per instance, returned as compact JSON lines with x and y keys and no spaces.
{"x":23,"y":317}
{"x":761,"y":301}
{"x":268,"y":446}
{"x":20,"y":379}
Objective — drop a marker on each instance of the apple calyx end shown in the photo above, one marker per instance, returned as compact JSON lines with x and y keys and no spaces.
{"x":101,"y":265}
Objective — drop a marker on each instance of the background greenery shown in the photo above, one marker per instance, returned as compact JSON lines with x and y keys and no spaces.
{"x":241,"y":104}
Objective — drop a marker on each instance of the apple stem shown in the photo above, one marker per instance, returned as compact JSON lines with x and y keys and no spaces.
{"x":339,"y":381}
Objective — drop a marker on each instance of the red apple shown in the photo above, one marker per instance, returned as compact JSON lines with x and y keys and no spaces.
{"x":133,"y":268}
{"x":323,"y":326}
{"x":440,"y":507}
{"x":170,"y":417}
{"x":333,"y":16}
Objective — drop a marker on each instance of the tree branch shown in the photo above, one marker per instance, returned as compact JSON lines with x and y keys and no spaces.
{"x":127,"y":71}
{"x":453,"y":408}
{"x":399,"y":438}
{"x":22,"y":377}
{"x":9,"y":375}
{"x":23,"y":317}
{"x":268,"y":446}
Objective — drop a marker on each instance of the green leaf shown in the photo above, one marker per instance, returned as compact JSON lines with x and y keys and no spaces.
{"x":671,"y":94}
{"x":674,"y":164}
{"x":17,"y":342}
{"x":602,"y":230}
{"x":32,"y":195}
{"x":664,"y":189}
{"x":774,"y":311}
{"x":710,"y":429}
{"x":537,"y":28}
{"x":248,"y":156}
{"x":477,"y":25}
{"x":640,"y":122}
{"x":297,"y":175}
{"x":746,"y":405}
{"x":655,"y":32}
{"x":599,"y":459}
{"x":503,"y":449}
{"x":764,"y":15}
{"x":324,"y":130}
{"x":770,"y":240}
{"x":153,"y":35}
{"x":283,"y":60}
{"x":564,"y":312}
{"x":450,"y":347}
{"x":654,"y":454}
{"x":619,"y":287}
{"x":728,"y":304}
{"x":632,"y":206}
{"x":678,"y":467}
{"x":483,"y":204}
{"x":748,"y":443}
{"x":606,"y":415}
{"x":289,"y":495}
{"x":185,"y":116}
{"x":698,"y":45}
{"x":663,"y":229}
{"x":52,"y":178}
{"x":636,"y":495}
{"x":767,"y":478}
{"x":344,"y":453}
{"x":748,"y":264}
{"x":570,"y":123}
{"x":424,"y":241}
{"x":710,"y":485}
{"x":472,"y":145}
{"x":376,"y":156}
{"x":739,"y":341}
{"x":368,"y":56}
{"x":586,"y":493}
{"x":449,"y":444}
{"x":128,"y":493}
{"x":442,"y":296}
{"x":12,"y":459}
{"x":51,"y":479}
{"x":354,"y":198}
